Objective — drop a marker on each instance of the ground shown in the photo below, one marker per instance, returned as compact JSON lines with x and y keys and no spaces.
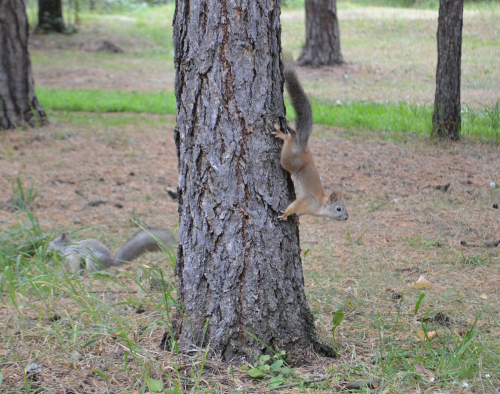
{"x":102,"y":175}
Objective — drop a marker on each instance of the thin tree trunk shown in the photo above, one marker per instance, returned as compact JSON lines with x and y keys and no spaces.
{"x":50,"y":17}
{"x":239,"y":268}
{"x":446,"y":118}
{"x":18,"y":103}
{"x":322,"y":47}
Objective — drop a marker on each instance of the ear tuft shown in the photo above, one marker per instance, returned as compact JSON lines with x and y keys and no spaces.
{"x":65,"y":236}
{"x":334,"y":196}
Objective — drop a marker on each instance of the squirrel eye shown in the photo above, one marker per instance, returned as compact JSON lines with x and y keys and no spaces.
{"x":339,"y":209}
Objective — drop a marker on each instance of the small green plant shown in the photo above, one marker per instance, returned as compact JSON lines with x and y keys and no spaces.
{"x":360,"y":239}
{"x":23,"y":198}
{"x":155,"y":385}
{"x":273,"y":368}
{"x":473,"y":260}
{"x":419,"y":301}
{"x":338,"y":316}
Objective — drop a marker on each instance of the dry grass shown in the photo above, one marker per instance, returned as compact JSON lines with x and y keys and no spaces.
{"x":109,"y":326}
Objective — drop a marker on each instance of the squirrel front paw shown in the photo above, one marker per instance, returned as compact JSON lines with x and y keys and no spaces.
{"x":278,"y":130}
{"x":282,"y":217}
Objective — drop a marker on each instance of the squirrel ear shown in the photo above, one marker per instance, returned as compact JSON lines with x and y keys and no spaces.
{"x":334,"y":196}
{"x":65,"y":236}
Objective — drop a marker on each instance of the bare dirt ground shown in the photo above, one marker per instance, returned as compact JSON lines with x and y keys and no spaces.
{"x":390,"y":186}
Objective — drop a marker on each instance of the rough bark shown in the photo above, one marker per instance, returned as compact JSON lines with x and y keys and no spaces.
{"x":18,"y":103}
{"x":238,"y":267}
{"x":446,"y":119}
{"x":322,"y":47}
{"x":50,"y":17}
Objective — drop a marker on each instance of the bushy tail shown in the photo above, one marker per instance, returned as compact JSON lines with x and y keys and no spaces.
{"x":142,"y":242}
{"x":300,"y":102}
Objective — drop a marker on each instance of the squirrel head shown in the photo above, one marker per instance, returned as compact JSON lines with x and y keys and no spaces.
{"x":334,"y":208}
{"x":57,"y":244}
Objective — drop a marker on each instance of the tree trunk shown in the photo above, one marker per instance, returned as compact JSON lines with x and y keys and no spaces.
{"x":18,"y":103}
{"x":322,"y":47}
{"x":239,"y":268}
{"x":446,"y":119}
{"x":50,"y":17}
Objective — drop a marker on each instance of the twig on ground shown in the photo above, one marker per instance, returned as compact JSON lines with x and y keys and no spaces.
{"x":487,"y":244}
{"x":359,"y":384}
{"x":286,"y":386}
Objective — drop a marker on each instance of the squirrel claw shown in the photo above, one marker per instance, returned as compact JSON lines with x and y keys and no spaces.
{"x":277,"y":132}
{"x":282,"y":217}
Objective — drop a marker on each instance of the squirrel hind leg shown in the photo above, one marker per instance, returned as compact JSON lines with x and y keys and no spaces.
{"x":279,"y":134}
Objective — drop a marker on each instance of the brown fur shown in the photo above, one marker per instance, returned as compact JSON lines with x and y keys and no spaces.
{"x":296,"y":159}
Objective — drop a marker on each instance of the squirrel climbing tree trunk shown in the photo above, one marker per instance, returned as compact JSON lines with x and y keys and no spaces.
{"x":322,"y":47}
{"x":446,"y":119}
{"x":18,"y":103}
{"x":238,"y":267}
{"x":50,"y":17}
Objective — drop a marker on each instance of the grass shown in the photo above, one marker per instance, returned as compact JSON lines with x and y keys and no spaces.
{"x":370,"y":312}
{"x":90,"y":317}
{"x":107,"y":101}
{"x":70,"y":315}
{"x":357,"y":115}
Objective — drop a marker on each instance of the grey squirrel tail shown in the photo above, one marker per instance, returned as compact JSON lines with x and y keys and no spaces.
{"x":300,"y":102}
{"x":142,"y":242}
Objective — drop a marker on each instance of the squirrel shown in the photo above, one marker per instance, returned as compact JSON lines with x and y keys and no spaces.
{"x":297,"y":160}
{"x":93,"y":255}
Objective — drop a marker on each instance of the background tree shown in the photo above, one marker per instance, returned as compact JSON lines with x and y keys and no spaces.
{"x":322,"y":47}
{"x":446,"y":119}
{"x":18,"y":103}
{"x":50,"y":17}
{"x":239,"y":268}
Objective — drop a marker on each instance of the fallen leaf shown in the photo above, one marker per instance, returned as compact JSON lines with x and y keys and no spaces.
{"x":483,"y":296}
{"x":421,"y":283}
{"x":421,"y":370}
{"x":430,"y":335}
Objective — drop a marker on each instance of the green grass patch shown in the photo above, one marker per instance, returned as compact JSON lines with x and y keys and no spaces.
{"x":356,"y":115}
{"x":402,"y":117}
{"x":107,"y":101}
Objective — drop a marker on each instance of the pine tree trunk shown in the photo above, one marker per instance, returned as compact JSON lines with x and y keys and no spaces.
{"x":238,"y":267}
{"x":322,"y":47}
{"x":446,"y":118}
{"x":18,"y":103}
{"x":50,"y":17}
